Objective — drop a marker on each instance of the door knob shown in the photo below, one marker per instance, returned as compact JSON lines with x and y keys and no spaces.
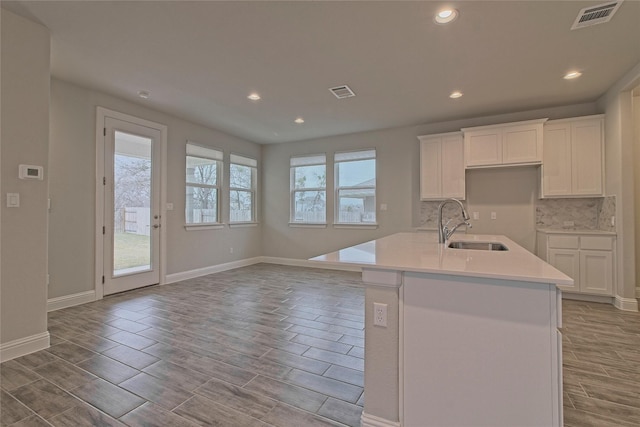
{"x":156,"y":225}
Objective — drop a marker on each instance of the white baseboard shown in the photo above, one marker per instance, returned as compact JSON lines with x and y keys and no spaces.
{"x":590,"y":298}
{"x":367,"y":420}
{"x":70,"y":300}
{"x":24,"y":346}
{"x":311,"y":264}
{"x":198,"y":272}
{"x":626,"y":304}
{"x":90,"y":296}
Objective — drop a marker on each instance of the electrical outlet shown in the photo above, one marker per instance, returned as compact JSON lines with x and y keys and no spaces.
{"x":380,"y":314}
{"x":568,"y":224}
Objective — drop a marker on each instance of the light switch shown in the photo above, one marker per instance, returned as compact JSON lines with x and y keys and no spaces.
{"x":169,"y":206}
{"x":493,"y":215}
{"x":13,"y":200}
{"x":476,"y":215}
{"x":383,"y":207}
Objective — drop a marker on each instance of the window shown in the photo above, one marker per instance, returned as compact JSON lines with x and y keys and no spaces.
{"x":242,"y":189}
{"x":309,"y":189}
{"x":204,"y":169}
{"x":356,"y":187}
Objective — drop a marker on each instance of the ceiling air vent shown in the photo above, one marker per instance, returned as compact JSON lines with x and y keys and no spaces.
{"x":596,"y":14}
{"x":341,"y":92}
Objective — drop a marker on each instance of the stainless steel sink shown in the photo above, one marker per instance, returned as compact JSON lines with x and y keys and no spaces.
{"x":478,"y":246}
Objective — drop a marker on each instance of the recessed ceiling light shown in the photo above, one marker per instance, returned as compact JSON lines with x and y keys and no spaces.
{"x":572,"y":75}
{"x":143,"y":94}
{"x":456,"y":94}
{"x":445,"y":16}
{"x":299,"y":120}
{"x":254,"y":96}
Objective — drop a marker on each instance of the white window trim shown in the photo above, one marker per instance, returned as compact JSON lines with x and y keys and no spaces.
{"x":293,"y":191}
{"x":218,"y":187}
{"x":240,"y":160}
{"x":337,"y":188}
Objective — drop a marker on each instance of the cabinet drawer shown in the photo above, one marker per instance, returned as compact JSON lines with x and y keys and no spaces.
{"x":564,"y":242}
{"x":598,"y":243}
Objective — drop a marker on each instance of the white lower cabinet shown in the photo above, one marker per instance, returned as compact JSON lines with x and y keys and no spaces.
{"x":588,"y":259}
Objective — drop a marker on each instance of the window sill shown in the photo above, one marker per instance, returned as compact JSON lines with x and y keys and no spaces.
{"x":308,"y":225}
{"x":243,"y":224}
{"x":195,"y":227}
{"x":357,"y":226}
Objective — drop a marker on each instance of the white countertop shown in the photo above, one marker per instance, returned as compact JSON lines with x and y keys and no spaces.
{"x":420,"y":252}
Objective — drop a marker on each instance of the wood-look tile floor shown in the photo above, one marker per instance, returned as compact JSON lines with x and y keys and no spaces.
{"x":264,"y":345}
{"x":258,"y":346}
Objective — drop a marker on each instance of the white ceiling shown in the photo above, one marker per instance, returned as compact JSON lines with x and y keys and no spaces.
{"x":200,"y":60}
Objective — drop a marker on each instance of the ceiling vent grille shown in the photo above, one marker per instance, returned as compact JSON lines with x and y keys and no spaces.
{"x":596,"y":14}
{"x":341,"y":92}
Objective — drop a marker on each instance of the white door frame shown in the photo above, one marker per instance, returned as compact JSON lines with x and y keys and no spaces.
{"x":101,"y":115}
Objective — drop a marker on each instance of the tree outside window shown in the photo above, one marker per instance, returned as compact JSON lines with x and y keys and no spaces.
{"x":308,"y":189}
{"x":203,"y":172}
{"x":242,"y":189}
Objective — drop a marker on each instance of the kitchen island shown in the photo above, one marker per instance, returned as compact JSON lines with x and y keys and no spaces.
{"x":471,"y":336}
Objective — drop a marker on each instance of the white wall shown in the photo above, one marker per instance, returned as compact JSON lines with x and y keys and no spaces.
{"x":636,"y":154}
{"x":619,"y":167}
{"x":72,"y":190}
{"x":398,"y":187}
{"x":25,"y":140}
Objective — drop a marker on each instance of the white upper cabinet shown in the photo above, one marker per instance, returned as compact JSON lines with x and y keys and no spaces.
{"x":442,"y":166}
{"x":573,"y":157}
{"x":507,"y":144}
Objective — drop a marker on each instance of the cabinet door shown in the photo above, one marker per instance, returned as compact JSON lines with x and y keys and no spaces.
{"x":522,"y":144}
{"x":596,"y":272}
{"x":483,"y":147}
{"x":430,"y":173}
{"x":567,"y":261}
{"x":556,"y":165}
{"x":586,"y":154}
{"x":452,"y":165}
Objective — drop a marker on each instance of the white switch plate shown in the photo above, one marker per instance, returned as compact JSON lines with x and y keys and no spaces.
{"x":169,"y":206}
{"x":383,"y":207}
{"x":494,"y":215}
{"x":476,"y":215}
{"x":13,"y":200}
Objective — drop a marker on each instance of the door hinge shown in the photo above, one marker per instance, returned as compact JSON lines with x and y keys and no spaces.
{"x":103,"y":280}
{"x":104,"y":180}
{"x":104,"y":231}
{"x":104,"y":131}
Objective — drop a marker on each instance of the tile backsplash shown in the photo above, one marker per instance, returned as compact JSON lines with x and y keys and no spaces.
{"x":587,"y":214}
{"x":429,"y":213}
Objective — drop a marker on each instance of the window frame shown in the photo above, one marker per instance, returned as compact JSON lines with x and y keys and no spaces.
{"x":293,"y":191}
{"x":202,"y":151}
{"x":252,"y":164}
{"x":337,"y":159}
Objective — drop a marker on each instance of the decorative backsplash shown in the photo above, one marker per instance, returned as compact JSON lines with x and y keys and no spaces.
{"x":429,"y":213}
{"x":586,"y":214}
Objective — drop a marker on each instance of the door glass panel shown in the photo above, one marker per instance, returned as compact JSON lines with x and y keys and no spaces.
{"x":132,"y":204}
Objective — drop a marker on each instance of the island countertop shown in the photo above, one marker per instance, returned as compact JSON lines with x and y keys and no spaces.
{"x":421,"y":253}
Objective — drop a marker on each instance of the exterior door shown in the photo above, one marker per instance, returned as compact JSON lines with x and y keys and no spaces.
{"x":131,"y":230}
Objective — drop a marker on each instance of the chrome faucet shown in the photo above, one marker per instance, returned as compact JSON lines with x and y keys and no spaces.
{"x":443,"y":230}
